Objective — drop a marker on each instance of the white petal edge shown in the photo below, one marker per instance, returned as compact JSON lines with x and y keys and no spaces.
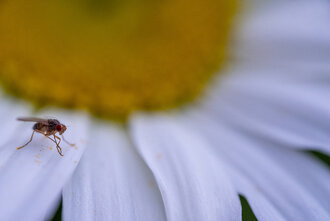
{"x":290,"y":110}
{"x":261,"y":206}
{"x":284,"y":32}
{"x":305,"y":169}
{"x":193,"y":184}
{"x":111,"y":182}
{"x":289,"y":197}
{"x":31,"y":179}
{"x":279,"y":86}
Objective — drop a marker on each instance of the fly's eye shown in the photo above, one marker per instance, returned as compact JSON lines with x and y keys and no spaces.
{"x":58,"y":127}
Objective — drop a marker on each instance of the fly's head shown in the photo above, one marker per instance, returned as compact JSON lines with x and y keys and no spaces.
{"x":60,"y":128}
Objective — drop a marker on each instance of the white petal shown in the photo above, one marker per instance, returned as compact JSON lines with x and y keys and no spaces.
{"x":294,"y":114}
{"x":112,"y":182}
{"x":310,"y":173}
{"x":31,"y":179}
{"x":284,"y":99}
{"x":274,"y":181}
{"x":192,"y":182}
{"x":284,"y":32}
{"x":9,"y":110}
{"x":262,"y":207}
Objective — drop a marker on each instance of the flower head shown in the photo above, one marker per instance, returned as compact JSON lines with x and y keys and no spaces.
{"x":246,"y":136}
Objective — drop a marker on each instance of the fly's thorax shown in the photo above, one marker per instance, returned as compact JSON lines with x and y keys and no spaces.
{"x":52,"y":123}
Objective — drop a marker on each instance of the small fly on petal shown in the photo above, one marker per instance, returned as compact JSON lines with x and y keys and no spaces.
{"x":47,"y":127}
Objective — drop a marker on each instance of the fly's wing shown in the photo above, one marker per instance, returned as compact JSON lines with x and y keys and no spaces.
{"x":33,"y":119}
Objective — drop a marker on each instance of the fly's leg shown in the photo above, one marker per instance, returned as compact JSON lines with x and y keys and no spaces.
{"x":59,"y":139}
{"x":71,"y":144}
{"x":27,"y":142}
{"x":51,"y":139}
{"x":59,"y":150}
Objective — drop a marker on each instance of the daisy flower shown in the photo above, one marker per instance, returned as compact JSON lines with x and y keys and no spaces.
{"x":246,"y":140}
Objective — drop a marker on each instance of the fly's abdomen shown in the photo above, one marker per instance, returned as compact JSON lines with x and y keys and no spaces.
{"x":40,"y":127}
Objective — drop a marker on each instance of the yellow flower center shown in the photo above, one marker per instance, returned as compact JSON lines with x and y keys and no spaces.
{"x":111,"y":57}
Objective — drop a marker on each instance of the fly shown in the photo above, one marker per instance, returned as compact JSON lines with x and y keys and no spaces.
{"x":47,"y":127}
